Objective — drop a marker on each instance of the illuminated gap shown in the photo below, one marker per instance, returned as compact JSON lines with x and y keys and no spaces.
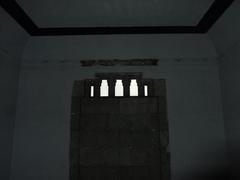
{"x":119,"y":88}
{"x":133,"y":88}
{"x":104,"y":88}
{"x":92,"y":91}
{"x":145,"y":90}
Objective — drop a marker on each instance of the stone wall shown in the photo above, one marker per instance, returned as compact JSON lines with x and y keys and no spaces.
{"x":136,"y":137}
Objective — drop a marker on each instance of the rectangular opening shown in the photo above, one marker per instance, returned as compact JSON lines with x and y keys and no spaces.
{"x":92,"y":91}
{"x":119,"y":88}
{"x":145,"y":90}
{"x":133,"y":87}
{"x":104,"y":88}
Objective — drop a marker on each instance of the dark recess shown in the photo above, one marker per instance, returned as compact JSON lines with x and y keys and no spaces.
{"x":212,"y":15}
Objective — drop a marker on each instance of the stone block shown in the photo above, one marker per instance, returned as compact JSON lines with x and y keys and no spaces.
{"x":94,"y":122}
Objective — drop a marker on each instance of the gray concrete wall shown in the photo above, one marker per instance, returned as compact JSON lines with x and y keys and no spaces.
{"x":226,"y":37}
{"x":118,"y":46}
{"x":225,"y":32}
{"x":12,"y":41}
{"x":51,"y":64}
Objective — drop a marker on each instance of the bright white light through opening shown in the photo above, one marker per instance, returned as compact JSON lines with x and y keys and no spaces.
{"x":92,"y":91}
{"x":104,"y":88}
{"x":133,"y":88}
{"x":119,"y":88}
{"x":145,"y":90}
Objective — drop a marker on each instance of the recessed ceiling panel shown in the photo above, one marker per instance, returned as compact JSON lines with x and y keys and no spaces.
{"x":99,"y":13}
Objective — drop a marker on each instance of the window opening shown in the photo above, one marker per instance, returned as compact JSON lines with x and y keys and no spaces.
{"x":133,"y":88}
{"x":92,"y":91}
{"x":145,"y":90}
{"x":104,"y":88}
{"x":119,"y":88}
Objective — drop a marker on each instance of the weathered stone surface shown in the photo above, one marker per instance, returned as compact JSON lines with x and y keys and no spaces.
{"x":121,"y":62}
{"x":120,"y":138}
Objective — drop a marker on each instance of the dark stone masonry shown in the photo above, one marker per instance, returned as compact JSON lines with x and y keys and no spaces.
{"x":119,"y":138}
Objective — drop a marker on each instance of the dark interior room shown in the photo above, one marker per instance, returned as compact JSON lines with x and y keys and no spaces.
{"x":120,"y":90}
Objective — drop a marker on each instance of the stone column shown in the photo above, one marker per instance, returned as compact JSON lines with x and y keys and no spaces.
{"x":126,"y":87}
{"x":97,"y":85}
{"x":111,"y":86}
{"x":140,"y":87}
{"x":87,"y":87}
{"x":149,"y":83}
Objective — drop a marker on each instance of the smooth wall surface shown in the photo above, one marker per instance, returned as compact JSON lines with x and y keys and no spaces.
{"x":230,"y":78}
{"x":51,"y":64}
{"x":70,"y":48}
{"x":226,"y":37}
{"x":13,"y":39}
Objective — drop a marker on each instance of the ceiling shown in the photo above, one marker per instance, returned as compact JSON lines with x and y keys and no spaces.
{"x":80,"y":17}
{"x":98,"y":13}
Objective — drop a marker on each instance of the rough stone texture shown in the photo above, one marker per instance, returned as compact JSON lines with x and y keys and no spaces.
{"x":121,"y":62}
{"x":119,"y":138}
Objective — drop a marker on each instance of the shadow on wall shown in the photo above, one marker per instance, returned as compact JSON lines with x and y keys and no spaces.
{"x":227,"y":170}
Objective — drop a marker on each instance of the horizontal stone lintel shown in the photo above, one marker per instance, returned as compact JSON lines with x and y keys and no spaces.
{"x":120,"y":62}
